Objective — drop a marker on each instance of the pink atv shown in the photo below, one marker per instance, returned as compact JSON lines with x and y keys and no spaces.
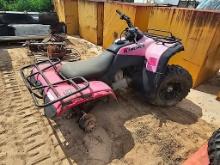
{"x":137,"y":59}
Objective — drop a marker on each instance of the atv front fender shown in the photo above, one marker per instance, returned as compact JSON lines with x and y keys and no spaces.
{"x":163,"y":62}
{"x":152,"y":76}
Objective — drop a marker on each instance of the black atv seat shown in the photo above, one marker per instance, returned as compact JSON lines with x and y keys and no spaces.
{"x":90,"y":69}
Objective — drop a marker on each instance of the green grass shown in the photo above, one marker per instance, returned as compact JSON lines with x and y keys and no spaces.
{"x":25,"y":5}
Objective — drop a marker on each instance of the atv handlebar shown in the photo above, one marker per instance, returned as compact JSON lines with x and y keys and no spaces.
{"x":126,"y":18}
{"x":132,"y":33}
{"x":118,"y":12}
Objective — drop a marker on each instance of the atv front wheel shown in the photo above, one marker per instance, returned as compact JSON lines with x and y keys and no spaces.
{"x":87,"y":122}
{"x":174,"y":87}
{"x":214,"y":148}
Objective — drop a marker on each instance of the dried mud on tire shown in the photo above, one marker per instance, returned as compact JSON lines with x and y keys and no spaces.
{"x":128,"y":131}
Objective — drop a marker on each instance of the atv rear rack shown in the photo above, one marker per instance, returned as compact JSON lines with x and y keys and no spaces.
{"x":36,"y":86}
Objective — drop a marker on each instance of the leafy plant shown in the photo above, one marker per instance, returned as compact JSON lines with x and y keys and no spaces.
{"x":25,"y":5}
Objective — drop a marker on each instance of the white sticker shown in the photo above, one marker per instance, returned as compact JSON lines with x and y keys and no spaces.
{"x":50,"y":96}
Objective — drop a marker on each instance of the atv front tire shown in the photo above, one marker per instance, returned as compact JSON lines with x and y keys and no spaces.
{"x":174,"y":87}
{"x":214,"y":148}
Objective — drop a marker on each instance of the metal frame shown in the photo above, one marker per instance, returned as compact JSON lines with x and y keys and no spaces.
{"x":33,"y":87}
{"x":170,"y":38}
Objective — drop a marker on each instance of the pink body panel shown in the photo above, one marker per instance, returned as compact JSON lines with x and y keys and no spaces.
{"x":96,"y":89}
{"x":149,"y":48}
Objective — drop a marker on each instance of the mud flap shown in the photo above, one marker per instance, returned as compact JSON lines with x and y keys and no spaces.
{"x":150,"y":83}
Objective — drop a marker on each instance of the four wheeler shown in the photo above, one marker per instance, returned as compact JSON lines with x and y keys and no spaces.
{"x":137,"y":59}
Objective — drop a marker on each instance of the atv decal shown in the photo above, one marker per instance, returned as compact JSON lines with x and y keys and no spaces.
{"x":50,"y":96}
{"x":68,"y":92}
{"x":129,"y":49}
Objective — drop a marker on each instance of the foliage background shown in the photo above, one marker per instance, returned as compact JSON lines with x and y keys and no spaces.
{"x":26,"y":5}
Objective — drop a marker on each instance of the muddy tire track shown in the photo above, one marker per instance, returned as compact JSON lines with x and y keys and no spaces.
{"x":25,"y":135}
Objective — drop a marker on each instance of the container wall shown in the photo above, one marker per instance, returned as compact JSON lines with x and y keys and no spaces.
{"x":196,"y":29}
{"x":91,"y":20}
{"x":67,"y":11}
{"x":71,"y":16}
{"x":142,"y":17}
{"x":211,"y":64}
{"x":59,"y":8}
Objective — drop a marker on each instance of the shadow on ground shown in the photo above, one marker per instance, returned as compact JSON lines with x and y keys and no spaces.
{"x":5,"y":61}
{"x":211,"y":86}
{"x":111,"y":139}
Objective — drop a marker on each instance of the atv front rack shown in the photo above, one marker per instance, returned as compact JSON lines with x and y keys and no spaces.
{"x":35,"y":86}
{"x":161,"y":37}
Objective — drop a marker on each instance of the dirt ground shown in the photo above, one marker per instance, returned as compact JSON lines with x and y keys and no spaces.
{"x":129,"y":132}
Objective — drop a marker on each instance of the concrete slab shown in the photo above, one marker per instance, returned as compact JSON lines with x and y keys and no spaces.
{"x":209,"y":105}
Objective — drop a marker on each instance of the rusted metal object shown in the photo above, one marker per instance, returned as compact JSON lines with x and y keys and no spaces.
{"x":55,"y":38}
{"x":57,"y":51}
{"x":52,"y":39}
{"x":34,"y":46}
{"x":53,"y":46}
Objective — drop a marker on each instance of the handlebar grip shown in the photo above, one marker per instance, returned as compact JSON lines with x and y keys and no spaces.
{"x":124,"y":17}
{"x":119,"y":13}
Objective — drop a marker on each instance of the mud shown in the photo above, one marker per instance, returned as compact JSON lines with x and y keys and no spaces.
{"x":25,"y":136}
{"x":129,"y":131}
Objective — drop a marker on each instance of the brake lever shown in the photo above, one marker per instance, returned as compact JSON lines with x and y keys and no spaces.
{"x":135,"y":38}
